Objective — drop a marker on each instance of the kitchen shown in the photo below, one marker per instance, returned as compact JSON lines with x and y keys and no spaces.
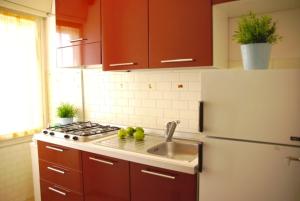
{"x":140,"y":96}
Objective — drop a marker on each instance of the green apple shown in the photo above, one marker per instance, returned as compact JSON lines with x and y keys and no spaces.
{"x":139,"y":128}
{"x":139,"y":135}
{"x":130,"y":131}
{"x":122,"y":133}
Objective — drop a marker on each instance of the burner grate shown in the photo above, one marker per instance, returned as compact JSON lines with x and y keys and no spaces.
{"x":83,"y":128}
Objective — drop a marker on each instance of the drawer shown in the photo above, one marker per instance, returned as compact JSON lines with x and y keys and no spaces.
{"x":60,"y":155}
{"x":53,"y":192}
{"x":62,"y":176}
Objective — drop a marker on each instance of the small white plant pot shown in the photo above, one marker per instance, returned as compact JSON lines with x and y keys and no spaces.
{"x":256,"y":55}
{"x":64,"y":121}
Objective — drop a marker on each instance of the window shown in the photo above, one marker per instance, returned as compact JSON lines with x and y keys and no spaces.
{"x":21,"y":102}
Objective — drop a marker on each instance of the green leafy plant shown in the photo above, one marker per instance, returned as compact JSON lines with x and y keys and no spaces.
{"x":66,"y":110}
{"x":253,"y":29}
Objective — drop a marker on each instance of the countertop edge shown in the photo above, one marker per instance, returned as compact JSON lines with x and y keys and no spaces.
{"x":156,"y":161}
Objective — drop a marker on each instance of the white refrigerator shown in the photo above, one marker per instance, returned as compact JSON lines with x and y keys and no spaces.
{"x":251,"y":120}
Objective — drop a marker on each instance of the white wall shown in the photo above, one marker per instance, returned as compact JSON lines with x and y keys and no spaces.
{"x":16,"y":174}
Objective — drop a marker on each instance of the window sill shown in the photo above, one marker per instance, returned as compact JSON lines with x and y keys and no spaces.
{"x":10,"y":140}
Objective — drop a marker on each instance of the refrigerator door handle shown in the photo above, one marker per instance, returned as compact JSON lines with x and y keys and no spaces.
{"x":290,"y":158}
{"x":201,"y":116}
{"x":295,"y":138}
{"x":200,"y":157}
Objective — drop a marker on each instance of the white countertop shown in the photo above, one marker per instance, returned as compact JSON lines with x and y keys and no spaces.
{"x":147,"y":159}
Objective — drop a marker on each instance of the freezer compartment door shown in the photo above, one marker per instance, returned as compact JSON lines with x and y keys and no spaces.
{"x":241,"y":171}
{"x":260,"y":105}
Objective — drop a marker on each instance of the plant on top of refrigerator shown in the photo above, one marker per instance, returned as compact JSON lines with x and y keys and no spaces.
{"x":253,"y":29}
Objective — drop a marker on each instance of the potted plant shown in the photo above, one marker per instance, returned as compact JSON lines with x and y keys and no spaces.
{"x":256,"y":34}
{"x":66,"y":112}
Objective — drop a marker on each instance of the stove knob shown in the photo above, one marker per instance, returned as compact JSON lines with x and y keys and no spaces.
{"x":51,"y":133}
{"x":75,"y":138}
{"x":45,"y":132}
{"x":66,"y":136}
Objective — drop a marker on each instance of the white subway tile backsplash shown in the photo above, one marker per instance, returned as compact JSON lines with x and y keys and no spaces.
{"x":149,"y":103}
{"x":188,"y":114}
{"x":171,"y":114}
{"x":180,"y":86}
{"x":155,"y":94}
{"x":171,"y":95}
{"x":135,"y":102}
{"x":194,"y":86}
{"x":163,"y":86}
{"x":193,"y":96}
{"x":178,"y":105}
{"x":164,"y":104}
{"x":194,"y":105}
{"x":143,"y":98}
{"x":190,"y":76}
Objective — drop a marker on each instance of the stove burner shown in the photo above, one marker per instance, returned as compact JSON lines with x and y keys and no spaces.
{"x":81,"y":131}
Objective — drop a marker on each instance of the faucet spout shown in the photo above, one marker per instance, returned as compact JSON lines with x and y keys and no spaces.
{"x":171,"y":126}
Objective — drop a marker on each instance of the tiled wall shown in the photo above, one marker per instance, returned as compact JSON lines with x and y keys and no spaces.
{"x":143,"y":98}
{"x":64,"y":86}
{"x":15,"y":173}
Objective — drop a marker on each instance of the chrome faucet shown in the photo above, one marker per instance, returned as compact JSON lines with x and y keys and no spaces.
{"x":171,"y":126}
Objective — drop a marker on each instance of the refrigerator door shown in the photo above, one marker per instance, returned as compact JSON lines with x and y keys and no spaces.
{"x":258,"y":105}
{"x":242,"y":171}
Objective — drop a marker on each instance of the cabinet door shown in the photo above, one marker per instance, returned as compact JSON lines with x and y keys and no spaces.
{"x":221,"y":1}
{"x":78,"y":32}
{"x":105,"y":178}
{"x":125,"y":34}
{"x":180,"y":33}
{"x":150,"y":183}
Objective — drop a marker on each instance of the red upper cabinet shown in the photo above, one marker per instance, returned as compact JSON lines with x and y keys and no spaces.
{"x":124,"y":34}
{"x":180,"y":33}
{"x":221,"y":1}
{"x":78,"y":32}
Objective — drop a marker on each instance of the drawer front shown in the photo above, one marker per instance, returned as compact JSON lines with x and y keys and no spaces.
{"x":60,"y":155}
{"x":52,"y":192}
{"x":62,"y":176}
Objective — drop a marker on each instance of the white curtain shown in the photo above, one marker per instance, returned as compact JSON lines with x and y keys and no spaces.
{"x":21,"y":101}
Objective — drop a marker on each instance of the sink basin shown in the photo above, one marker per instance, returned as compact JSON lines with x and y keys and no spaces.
{"x":176,"y":150}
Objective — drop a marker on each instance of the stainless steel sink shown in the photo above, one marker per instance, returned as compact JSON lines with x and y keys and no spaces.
{"x":175,"y":150}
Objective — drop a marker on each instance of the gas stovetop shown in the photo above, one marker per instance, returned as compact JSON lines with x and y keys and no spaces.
{"x":81,"y":131}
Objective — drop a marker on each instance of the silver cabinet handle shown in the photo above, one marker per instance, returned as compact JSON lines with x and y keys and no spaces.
{"x":77,"y":40}
{"x":158,"y":174}
{"x":57,"y":191}
{"x":54,"y":148}
{"x":177,"y":60}
{"x":101,"y":161}
{"x":56,"y":170}
{"x":290,"y":158}
{"x":122,"y":64}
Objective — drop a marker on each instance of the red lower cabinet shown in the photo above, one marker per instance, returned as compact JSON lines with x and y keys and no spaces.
{"x":156,"y":184}
{"x":54,"y":192}
{"x":105,"y":178}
